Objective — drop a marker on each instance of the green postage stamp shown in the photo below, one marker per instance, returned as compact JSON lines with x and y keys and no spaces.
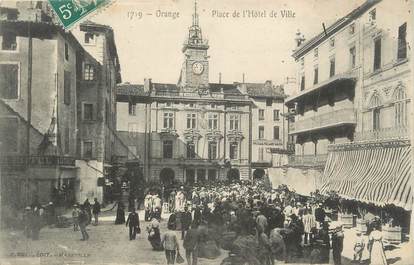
{"x":71,"y":11}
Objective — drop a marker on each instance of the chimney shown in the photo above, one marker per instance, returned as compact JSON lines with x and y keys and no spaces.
{"x":219,"y":78}
{"x":243,"y":78}
{"x":300,"y":38}
{"x":243,"y":88}
{"x":147,"y":84}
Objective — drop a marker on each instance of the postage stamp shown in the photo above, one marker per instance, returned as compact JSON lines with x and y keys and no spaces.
{"x":71,"y":11}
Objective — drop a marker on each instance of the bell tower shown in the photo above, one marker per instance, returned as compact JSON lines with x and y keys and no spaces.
{"x":194,"y":72}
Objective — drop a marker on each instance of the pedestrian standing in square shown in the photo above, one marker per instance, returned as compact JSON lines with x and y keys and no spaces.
{"x":170,"y":243}
{"x":87,"y":207}
{"x":133,"y":223}
{"x":190,"y":244}
{"x":337,"y":245}
{"x":83,"y":222}
{"x":186,"y":220}
{"x":96,"y":210}
{"x":75,"y":217}
{"x":27,"y":220}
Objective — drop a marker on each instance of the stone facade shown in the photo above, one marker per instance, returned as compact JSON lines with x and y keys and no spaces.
{"x":54,"y":123}
{"x":339,"y":90}
{"x":193,"y":130}
{"x":268,"y":126}
{"x":39,"y":103}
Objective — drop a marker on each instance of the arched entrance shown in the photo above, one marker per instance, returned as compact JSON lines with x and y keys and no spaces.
{"x":167,"y":176}
{"x":258,"y":173}
{"x":233,"y":175}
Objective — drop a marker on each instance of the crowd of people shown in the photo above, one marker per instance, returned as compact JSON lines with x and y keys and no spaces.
{"x":256,"y":224}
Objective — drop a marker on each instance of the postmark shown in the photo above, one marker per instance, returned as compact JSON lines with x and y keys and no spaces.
{"x":72,"y":11}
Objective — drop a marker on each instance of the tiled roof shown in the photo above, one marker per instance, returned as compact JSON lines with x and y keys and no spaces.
{"x":227,"y":88}
{"x":89,"y":23}
{"x":165,"y":87}
{"x":127,"y":89}
{"x":264,"y":90}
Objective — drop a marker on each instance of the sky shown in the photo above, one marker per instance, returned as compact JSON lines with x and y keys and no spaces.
{"x":150,"y":46}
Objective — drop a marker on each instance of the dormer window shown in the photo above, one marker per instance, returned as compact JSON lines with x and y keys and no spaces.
{"x":332,"y":42}
{"x":351,"y":29}
{"x":9,"y":42}
{"x":372,"y":15}
{"x":89,"y":38}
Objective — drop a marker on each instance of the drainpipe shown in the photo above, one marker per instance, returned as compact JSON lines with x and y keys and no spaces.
{"x":145,"y":142}
{"x":29,"y":106}
{"x":250,"y":140}
{"x":411,"y":137}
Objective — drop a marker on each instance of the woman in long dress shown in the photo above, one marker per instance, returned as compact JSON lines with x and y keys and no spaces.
{"x":120,"y":214}
{"x":376,"y":248}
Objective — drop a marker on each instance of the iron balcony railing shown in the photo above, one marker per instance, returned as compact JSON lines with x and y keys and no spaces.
{"x":383,"y":134}
{"x":267,"y":141}
{"x":325,"y":120}
{"x":36,"y":161}
{"x":308,"y":160}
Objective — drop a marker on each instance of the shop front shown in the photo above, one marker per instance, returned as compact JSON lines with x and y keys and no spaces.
{"x":374,"y":179}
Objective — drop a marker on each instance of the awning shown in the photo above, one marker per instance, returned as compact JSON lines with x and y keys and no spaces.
{"x":370,"y":173}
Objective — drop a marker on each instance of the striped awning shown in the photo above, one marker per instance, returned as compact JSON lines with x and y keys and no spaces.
{"x":372,"y":173}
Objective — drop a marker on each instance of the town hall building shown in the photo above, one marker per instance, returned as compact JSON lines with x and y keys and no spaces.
{"x":192,"y":131}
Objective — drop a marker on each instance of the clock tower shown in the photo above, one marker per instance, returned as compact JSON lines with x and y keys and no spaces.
{"x":194,"y":72}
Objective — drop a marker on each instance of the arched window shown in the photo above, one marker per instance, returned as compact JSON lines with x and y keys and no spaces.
{"x":375,"y":101}
{"x":375,"y":104}
{"x":400,"y":106}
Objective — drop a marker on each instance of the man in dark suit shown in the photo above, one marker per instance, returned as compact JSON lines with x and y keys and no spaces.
{"x":190,"y":244}
{"x":320,"y":214}
{"x":96,"y":210}
{"x":133,"y":222}
{"x":83,"y":222}
{"x":186,"y":220}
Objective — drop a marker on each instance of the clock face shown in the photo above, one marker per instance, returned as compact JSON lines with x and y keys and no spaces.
{"x":198,"y":68}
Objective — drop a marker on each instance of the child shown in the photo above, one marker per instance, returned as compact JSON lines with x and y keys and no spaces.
{"x":359,"y":247}
{"x":75,"y":215}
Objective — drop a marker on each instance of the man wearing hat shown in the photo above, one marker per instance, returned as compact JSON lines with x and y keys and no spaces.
{"x":27,"y":220}
{"x":337,"y":245}
{"x":133,"y":223}
{"x":83,"y":222}
{"x":75,"y":216}
{"x":186,"y":220}
{"x":51,"y":214}
{"x":320,"y":214}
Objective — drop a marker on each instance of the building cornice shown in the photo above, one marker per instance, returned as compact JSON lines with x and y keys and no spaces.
{"x":334,"y":28}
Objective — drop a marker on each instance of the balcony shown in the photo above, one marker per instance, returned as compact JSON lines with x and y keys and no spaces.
{"x":200,"y":162}
{"x":168,"y":132}
{"x":383,"y":134}
{"x":308,"y":160}
{"x":267,"y":142}
{"x":17,"y":161}
{"x":336,"y":118}
{"x":344,"y":80}
{"x":261,"y":164}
